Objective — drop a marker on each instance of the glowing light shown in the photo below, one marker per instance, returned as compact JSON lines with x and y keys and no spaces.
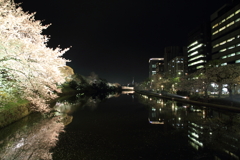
{"x":197,"y":62}
{"x":199,"y":56}
{"x":156,"y":59}
{"x":192,"y":44}
{"x":196,"y":47}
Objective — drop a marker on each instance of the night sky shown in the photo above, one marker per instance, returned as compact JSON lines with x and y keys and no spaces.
{"x":116,"y":38}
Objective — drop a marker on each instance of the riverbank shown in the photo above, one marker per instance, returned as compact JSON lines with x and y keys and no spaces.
{"x":13,"y":112}
{"x":224,"y":104}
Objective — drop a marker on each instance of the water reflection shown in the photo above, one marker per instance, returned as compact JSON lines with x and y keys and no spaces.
{"x":31,"y":138}
{"x":34,"y":136}
{"x":215,"y":133}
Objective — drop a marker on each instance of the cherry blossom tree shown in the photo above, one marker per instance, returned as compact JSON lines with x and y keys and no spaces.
{"x":29,"y":66}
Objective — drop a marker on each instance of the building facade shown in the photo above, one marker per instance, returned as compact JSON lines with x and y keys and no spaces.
{"x":225,"y":34}
{"x":155,"y":66}
{"x":174,"y":57}
{"x":176,"y":66}
{"x":199,"y":47}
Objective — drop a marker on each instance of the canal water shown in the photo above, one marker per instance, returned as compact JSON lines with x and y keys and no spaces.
{"x":125,"y":127}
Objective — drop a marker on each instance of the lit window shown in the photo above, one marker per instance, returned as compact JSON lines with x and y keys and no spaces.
{"x":192,"y":44}
{"x":154,"y":72}
{"x":237,"y":20}
{"x":197,"y":62}
{"x":231,"y":55}
{"x":200,"y":45}
{"x":222,"y":29}
{"x":201,"y":66}
{"x":216,"y":46}
{"x":199,"y":56}
{"x":237,"y":61}
{"x":154,"y":66}
{"x":231,"y":39}
{"x":230,"y":16}
{"x":222,"y":43}
{"x":222,"y":50}
{"x":238,"y":53}
{"x":215,"y":26}
{"x":223,"y":20}
{"x":215,"y":32}
{"x":238,"y":11}
{"x":196,"y":52}
{"x":223,"y":57}
{"x":223,"y":64}
{"x":238,"y":45}
{"x":229,"y":24}
{"x":231,"y":47}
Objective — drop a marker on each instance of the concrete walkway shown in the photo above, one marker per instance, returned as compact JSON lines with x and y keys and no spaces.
{"x":186,"y":100}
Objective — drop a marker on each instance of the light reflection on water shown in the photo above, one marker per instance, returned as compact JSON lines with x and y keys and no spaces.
{"x":129,"y":126}
{"x":206,"y":128}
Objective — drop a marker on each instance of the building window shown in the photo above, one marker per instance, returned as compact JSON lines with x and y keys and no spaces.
{"x":230,"y":16}
{"x":215,"y":26}
{"x":216,"y":46}
{"x":238,"y":45}
{"x":238,"y":11}
{"x":237,"y":20}
{"x":201,"y":66}
{"x":223,"y":57}
{"x":237,"y":61}
{"x":231,"y":55}
{"x":222,"y":50}
{"x":222,"y":29}
{"x":199,"y":56}
{"x":154,"y":72}
{"x":215,"y":32}
{"x":196,"y":52}
{"x":231,"y":47}
{"x":200,"y":45}
{"x":222,"y":21}
{"x":229,"y":24}
{"x":230,"y":39}
{"x":238,"y":53}
{"x":192,"y":44}
{"x":223,"y":64}
{"x":153,"y":65}
{"x":197,"y":62}
{"x":222,"y":43}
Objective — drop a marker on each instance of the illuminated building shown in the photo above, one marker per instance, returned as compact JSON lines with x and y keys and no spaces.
{"x":225,"y":33}
{"x":155,"y":66}
{"x":174,"y":53}
{"x":199,"y":47}
{"x":176,"y":66}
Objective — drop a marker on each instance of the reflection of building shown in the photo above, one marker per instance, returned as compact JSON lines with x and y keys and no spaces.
{"x":155,"y":66}
{"x":155,"y":116}
{"x":225,"y":30}
{"x":205,"y":129}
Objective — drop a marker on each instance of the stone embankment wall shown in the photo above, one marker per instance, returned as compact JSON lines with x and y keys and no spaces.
{"x":13,"y":114}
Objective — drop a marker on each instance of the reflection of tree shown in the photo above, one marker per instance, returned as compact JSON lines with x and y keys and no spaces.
{"x":30,"y":139}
